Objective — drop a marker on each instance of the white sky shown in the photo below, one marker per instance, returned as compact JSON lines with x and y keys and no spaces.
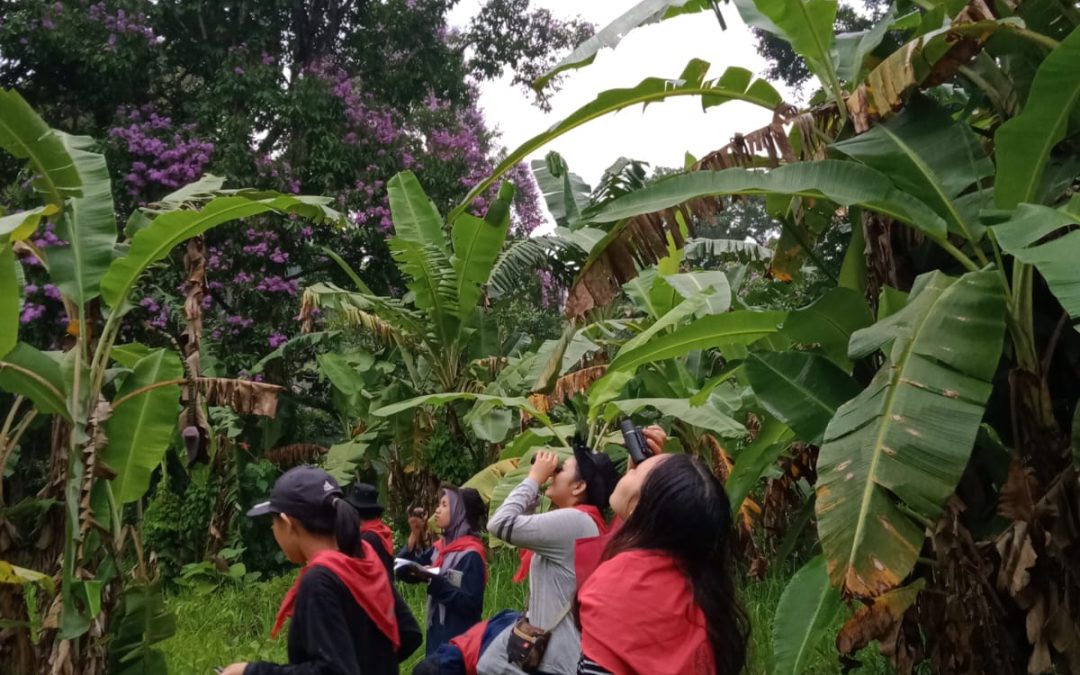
{"x":665,"y":131}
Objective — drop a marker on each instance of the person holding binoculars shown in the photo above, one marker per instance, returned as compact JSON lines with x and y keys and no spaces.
{"x":662,"y":600}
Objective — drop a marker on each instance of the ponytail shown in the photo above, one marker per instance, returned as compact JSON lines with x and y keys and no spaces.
{"x":346,"y":527}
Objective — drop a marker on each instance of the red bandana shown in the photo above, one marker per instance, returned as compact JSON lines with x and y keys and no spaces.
{"x":638,"y":615}
{"x":526,"y":555}
{"x":379,"y":528}
{"x":364,"y":577}
{"x":467,"y":542}
{"x":470,"y":643}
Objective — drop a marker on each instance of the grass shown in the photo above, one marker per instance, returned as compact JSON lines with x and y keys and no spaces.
{"x":233,"y":623}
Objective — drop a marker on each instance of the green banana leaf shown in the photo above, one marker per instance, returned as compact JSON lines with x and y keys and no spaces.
{"x":141,"y":427}
{"x":442,"y":399}
{"x":1047,"y":239}
{"x":415,"y":217}
{"x":26,"y":136}
{"x":420,"y":249}
{"x":751,"y":462}
{"x":846,"y":183}
{"x":735,"y":84}
{"x":485,"y":480}
{"x":25,"y":370}
{"x":690,"y":284}
{"x":829,"y":322}
{"x":853,"y":48}
{"x":732,"y":328}
{"x":20,"y":225}
{"x":10,"y":299}
{"x":807,"y":25}
{"x":143,"y":620}
{"x":565,"y":193}
{"x":928,"y":155}
{"x":705,"y":416}
{"x":1023,"y":143}
{"x":88,"y":225}
{"x":804,"y":615}
{"x":893,"y":455}
{"x":801,"y":389}
{"x":641,"y":14}
{"x":157,"y":239}
{"x":533,"y":437}
{"x":477,"y":244}
{"x":343,"y":459}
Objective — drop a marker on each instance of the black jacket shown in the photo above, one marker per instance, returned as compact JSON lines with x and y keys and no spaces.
{"x":380,"y":550}
{"x":464,"y":602}
{"x":330,"y":634}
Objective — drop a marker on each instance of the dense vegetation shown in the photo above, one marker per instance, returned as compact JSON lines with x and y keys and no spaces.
{"x":863,"y":315}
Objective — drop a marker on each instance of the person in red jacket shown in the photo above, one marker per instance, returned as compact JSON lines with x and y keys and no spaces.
{"x":662,"y":601}
{"x":347,"y":619}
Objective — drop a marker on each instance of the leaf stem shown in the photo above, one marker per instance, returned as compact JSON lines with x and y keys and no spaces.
{"x":1000,"y":263}
{"x":967,"y":262}
{"x":142,"y":390}
{"x":1038,"y":38}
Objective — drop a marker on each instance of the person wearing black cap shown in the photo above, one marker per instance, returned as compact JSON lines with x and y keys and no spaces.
{"x":579,"y":491}
{"x":365,"y":499}
{"x":347,"y":618}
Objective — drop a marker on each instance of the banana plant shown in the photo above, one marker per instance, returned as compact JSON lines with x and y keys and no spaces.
{"x":115,"y":407}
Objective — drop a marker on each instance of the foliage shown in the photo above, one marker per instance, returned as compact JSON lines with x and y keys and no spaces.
{"x":112,"y":426}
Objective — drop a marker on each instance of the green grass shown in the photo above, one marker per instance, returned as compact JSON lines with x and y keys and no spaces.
{"x":233,"y":623}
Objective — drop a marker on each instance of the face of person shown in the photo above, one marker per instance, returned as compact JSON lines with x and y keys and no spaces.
{"x":628,"y":490}
{"x":442,"y":513}
{"x":565,"y":489}
{"x":287,"y":536}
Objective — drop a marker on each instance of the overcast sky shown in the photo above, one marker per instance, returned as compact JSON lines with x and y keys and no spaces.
{"x":663,"y":133}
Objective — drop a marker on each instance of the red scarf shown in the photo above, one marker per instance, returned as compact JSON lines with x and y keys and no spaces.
{"x":466,"y":542}
{"x":638,"y":615}
{"x":526,"y":555}
{"x":380,"y":529}
{"x":588,"y":552}
{"x":364,"y":577}
{"x":470,"y":644}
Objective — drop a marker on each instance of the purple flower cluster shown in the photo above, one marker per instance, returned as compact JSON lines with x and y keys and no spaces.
{"x":527,"y":212}
{"x":31,"y":312}
{"x":552,"y":293}
{"x":162,"y":155}
{"x":277,"y":284}
{"x":122,"y":23}
{"x":159,"y":314}
{"x":279,"y":172}
{"x":367,"y":122}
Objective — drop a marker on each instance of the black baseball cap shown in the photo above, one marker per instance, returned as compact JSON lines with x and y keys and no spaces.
{"x":301,"y":491}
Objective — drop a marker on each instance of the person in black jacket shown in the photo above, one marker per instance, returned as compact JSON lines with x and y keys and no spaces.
{"x":456,"y":592}
{"x":365,"y":499}
{"x":347,"y":618}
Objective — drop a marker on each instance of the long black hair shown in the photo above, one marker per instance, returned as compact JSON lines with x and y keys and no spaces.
{"x":339,"y":518}
{"x":684,"y":512}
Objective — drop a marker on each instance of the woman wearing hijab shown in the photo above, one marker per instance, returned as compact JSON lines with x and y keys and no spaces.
{"x":662,"y":600}
{"x":579,"y":491}
{"x":346,"y":615}
{"x":365,"y":499}
{"x":456,"y":592}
